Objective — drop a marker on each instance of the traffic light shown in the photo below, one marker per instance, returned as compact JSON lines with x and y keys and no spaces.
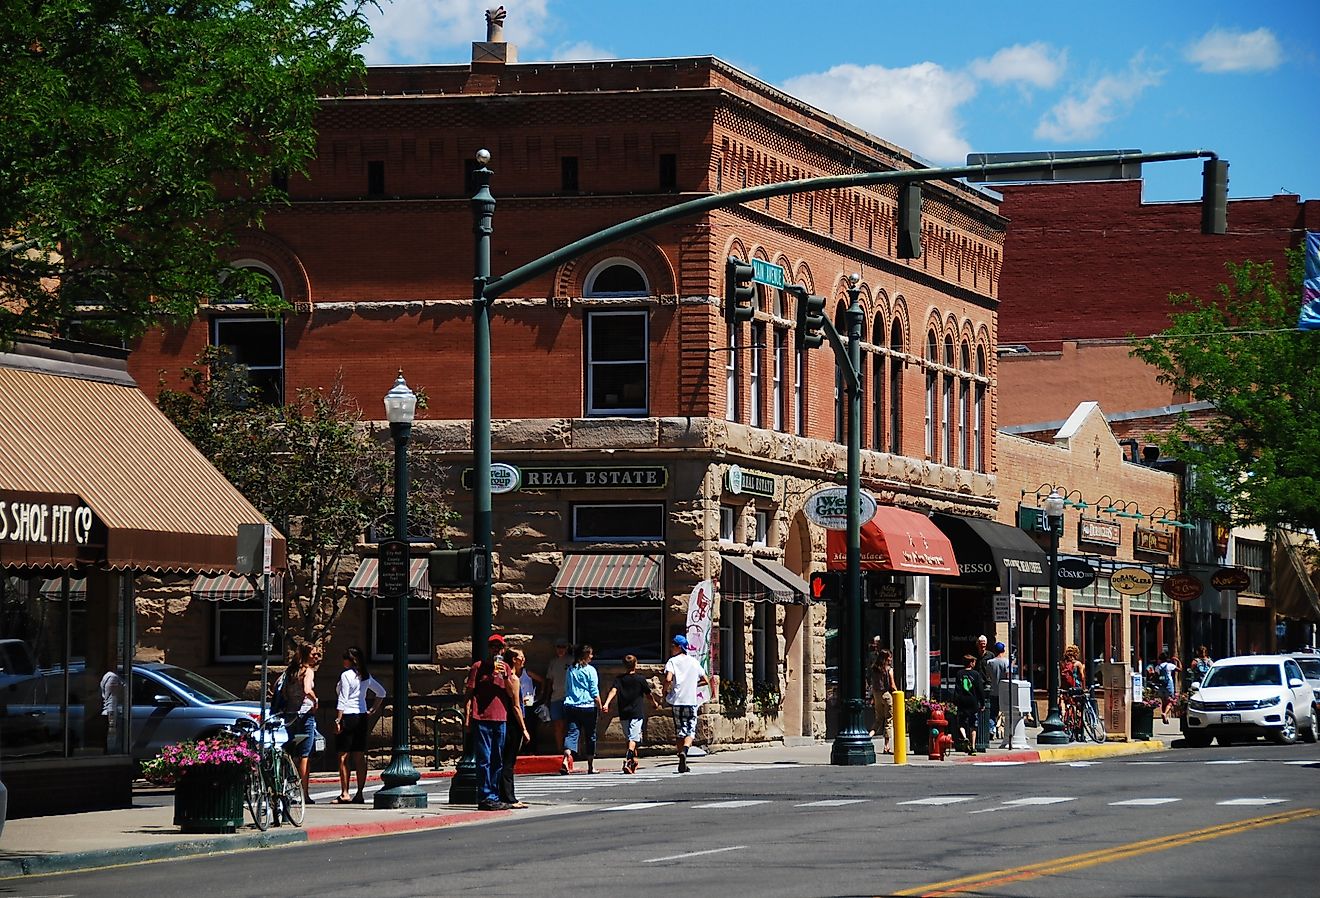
{"x":810,"y":317}
{"x":826,"y":586}
{"x":467,"y":566}
{"x":909,"y":221}
{"x":739,"y":291}
{"x":1214,"y":197}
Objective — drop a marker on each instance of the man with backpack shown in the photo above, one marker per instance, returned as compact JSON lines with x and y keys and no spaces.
{"x":968,"y":697}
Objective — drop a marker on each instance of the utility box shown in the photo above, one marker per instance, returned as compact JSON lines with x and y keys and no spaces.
{"x":1118,"y":683}
{"x":1016,"y":706}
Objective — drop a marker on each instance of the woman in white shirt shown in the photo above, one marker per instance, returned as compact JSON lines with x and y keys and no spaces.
{"x":358,"y":698}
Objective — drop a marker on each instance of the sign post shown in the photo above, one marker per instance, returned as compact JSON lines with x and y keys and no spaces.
{"x":253,"y":557}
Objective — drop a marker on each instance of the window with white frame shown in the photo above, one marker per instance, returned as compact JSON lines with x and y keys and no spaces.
{"x":727,"y":516}
{"x":777,"y":391}
{"x":617,"y":346}
{"x":618,"y":522}
{"x":932,"y":394}
{"x":946,"y":407}
{"x":758,"y":355}
{"x":978,"y":414}
{"x":896,"y":389}
{"x":964,"y":409}
{"x":765,"y":660}
{"x":238,"y":631}
{"x":731,"y":374}
{"x":760,"y":534}
{"x":255,"y":345}
{"x":615,"y":278}
{"x":799,"y":391}
{"x":732,"y":637}
{"x":840,"y":424}
{"x":384,"y":628}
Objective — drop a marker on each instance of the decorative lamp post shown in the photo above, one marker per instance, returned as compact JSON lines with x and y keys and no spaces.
{"x":1051,"y":728}
{"x":853,"y":745}
{"x":463,"y":787}
{"x":400,"y":777}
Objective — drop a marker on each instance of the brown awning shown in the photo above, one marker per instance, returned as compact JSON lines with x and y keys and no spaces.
{"x":795,"y":582}
{"x":895,"y":540}
{"x":592,"y":576}
{"x":235,"y":588}
{"x":366,"y":580}
{"x":76,"y":425}
{"x":742,"y":580}
{"x":1295,"y":584}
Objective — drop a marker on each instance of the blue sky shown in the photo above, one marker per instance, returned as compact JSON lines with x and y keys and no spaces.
{"x":946,"y":78}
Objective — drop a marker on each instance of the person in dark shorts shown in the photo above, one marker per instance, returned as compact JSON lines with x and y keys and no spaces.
{"x":632,"y":690}
{"x":352,"y":712}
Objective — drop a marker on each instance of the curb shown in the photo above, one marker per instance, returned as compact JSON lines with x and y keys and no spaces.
{"x":384,"y":828}
{"x":1071,"y":753}
{"x":68,"y":862}
{"x":527,"y":765}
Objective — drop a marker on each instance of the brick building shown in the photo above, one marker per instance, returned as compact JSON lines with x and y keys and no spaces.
{"x":662,"y":458}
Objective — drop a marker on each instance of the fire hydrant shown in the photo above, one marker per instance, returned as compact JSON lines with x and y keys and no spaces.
{"x":940,"y":741}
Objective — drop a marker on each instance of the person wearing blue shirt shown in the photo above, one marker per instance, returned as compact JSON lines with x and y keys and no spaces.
{"x":581,"y":708}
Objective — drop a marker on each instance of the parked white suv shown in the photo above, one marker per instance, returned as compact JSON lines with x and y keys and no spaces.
{"x":1249,"y":696}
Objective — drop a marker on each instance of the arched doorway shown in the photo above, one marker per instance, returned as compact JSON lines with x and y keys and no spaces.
{"x":798,"y":660}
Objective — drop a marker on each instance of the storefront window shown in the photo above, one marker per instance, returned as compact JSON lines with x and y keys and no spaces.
{"x":731,"y":642}
{"x":620,"y":523}
{"x":238,"y":630}
{"x":383,"y":628}
{"x":618,"y":627}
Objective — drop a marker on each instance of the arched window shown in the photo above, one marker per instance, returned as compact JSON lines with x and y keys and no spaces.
{"x":840,"y":422}
{"x":878,"y":422}
{"x":932,"y":391}
{"x":616,"y":277}
{"x":896,"y":389}
{"x":254,"y":343}
{"x":946,"y":406}
{"x":964,"y":407}
{"x":731,"y":408}
{"x":978,"y":415}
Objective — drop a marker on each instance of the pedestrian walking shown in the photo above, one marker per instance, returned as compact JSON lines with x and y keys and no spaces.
{"x":358,"y":697}
{"x":968,"y":697}
{"x":581,"y":711}
{"x":528,"y":684}
{"x":490,"y":691}
{"x":1199,"y":666}
{"x":1166,"y":673}
{"x":997,"y":667}
{"x":683,"y":677}
{"x":515,"y":728}
{"x":632,"y":690}
{"x":297,"y":696}
{"x":883,"y":688}
{"x":556,"y":683}
{"x":983,"y":656}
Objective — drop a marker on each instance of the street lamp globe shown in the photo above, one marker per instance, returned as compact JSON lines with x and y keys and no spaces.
{"x":400,"y":402}
{"x":1054,"y":505}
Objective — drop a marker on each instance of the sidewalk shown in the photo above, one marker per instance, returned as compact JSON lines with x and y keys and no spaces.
{"x":144,"y":832}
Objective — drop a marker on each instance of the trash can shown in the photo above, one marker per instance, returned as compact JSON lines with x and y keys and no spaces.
{"x":1143,"y":720}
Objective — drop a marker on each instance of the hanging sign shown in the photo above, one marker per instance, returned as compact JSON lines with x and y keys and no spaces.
{"x":1159,"y":542}
{"x":1094,"y":530}
{"x":740,"y":481}
{"x":1182,"y":587}
{"x":1230,"y":578}
{"x":1073,"y":573}
{"x":829,"y":507}
{"x":1131,"y":581}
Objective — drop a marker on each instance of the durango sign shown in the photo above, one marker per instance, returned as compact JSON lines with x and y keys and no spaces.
{"x":1131,"y":581}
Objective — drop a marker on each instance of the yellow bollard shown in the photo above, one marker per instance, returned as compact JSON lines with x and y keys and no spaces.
{"x":900,"y":729}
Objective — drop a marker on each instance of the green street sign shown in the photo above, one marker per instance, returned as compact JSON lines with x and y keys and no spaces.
{"x":765,"y":273}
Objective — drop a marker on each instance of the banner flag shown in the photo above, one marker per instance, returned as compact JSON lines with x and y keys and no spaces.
{"x":698,"y":629}
{"x":1309,"y":319}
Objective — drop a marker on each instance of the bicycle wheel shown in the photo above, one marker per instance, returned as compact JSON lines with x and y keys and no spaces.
{"x":257,"y":798}
{"x":1095,"y":730}
{"x":290,"y":790}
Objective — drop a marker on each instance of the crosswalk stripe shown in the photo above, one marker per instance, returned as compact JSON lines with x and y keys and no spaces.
{"x":940,"y":800}
{"x":1250,"y":802}
{"x":638,"y":806}
{"x":832,"y":802}
{"x":736,"y":803}
{"x":1038,"y":800}
{"x":1142,"y":802}
{"x":1235,"y":761}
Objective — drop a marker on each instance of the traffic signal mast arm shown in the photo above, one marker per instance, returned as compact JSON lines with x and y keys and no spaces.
{"x":498,"y":286}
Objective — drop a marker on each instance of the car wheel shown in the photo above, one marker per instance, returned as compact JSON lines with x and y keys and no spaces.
{"x":1287,"y":734}
{"x":1311,"y":733}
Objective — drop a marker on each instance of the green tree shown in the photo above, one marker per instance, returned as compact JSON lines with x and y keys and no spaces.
{"x":1259,"y":455}
{"x":320,"y":473}
{"x":137,"y":136}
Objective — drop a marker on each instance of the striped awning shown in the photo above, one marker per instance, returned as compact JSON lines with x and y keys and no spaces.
{"x":794,"y":581}
{"x":52,"y":590}
{"x":741,"y":580}
{"x":235,"y":588}
{"x":593,"y":576}
{"x":365,"y":582}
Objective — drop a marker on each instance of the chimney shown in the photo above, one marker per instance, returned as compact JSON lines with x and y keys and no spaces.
{"x":493,"y":51}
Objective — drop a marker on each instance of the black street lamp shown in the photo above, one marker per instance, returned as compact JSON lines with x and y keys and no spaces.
{"x":400,"y":777}
{"x":1051,"y":728}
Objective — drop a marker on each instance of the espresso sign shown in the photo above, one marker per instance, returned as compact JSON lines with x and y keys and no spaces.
{"x":1131,"y":581}
{"x":1182,"y":587}
{"x":1104,"y":533}
{"x":1156,"y":541}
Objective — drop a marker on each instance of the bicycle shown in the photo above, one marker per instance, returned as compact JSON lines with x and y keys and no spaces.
{"x":1080,"y":719}
{"x":273,"y":790}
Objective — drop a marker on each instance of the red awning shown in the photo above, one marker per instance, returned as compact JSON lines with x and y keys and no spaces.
{"x":895,"y":540}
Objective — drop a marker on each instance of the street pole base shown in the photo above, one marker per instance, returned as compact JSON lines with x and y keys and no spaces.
{"x":1052,"y":731}
{"x":399,"y":797}
{"x":852,"y":750}
{"x":463,"y":787}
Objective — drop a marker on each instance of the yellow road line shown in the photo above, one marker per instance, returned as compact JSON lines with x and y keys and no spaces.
{"x":1103,"y":855}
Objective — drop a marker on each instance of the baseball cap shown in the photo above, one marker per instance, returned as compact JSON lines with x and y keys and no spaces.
{"x":681,"y":641}
{"x":999,"y":646}
{"x":496,"y":638}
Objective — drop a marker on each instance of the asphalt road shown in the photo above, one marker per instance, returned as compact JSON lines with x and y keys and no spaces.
{"x":1242,"y":821}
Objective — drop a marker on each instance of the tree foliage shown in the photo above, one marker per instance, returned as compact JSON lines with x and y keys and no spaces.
{"x":138,"y":135}
{"x":1259,"y":456}
{"x":314,"y":468}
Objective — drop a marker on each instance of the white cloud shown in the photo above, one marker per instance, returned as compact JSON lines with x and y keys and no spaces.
{"x":1221,"y":50}
{"x":1036,"y":65}
{"x":582,"y":50}
{"x":915,"y":107}
{"x":1082,"y":114}
{"x":425,"y":31}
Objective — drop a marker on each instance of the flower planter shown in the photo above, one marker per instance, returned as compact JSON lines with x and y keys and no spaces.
{"x":1143,"y":721}
{"x":209,"y":800}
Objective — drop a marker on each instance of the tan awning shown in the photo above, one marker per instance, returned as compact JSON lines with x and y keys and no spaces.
{"x":366,"y":579}
{"x":1296,"y":584}
{"x":591,"y":576}
{"x":76,"y":425}
{"x":742,"y":580}
{"x":235,"y":588}
{"x":795,"y":582}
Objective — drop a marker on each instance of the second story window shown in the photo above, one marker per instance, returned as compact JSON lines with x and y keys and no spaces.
{"x":617,"y":363}
{"x":668,"y":172}
{"x":568,"y":174}
{"x":376,"y":178}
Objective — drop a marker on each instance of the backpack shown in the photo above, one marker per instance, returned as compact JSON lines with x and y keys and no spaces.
{"x":279,"y":703}
{"x":966,"y":689}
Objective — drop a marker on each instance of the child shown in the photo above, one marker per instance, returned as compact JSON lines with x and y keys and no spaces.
{"x":632,"y":690}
